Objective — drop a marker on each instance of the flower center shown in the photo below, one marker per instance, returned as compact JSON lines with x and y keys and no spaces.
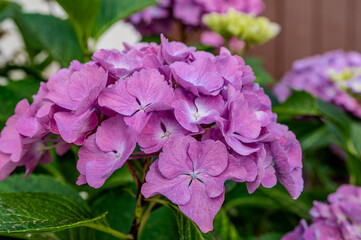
{"x":118,"y":155}
{"x":167,"y":134}
{"x":194,"y":175}
{"x":196,"y":115}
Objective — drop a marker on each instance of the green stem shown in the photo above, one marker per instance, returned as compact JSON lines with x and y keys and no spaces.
{"x":109,"y":231}
{"x":54,"y":171}
{"x":145,"y":216}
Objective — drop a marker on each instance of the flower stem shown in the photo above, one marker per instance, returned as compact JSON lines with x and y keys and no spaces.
{"x":109,"y":231}
{"x":133,"y":173}
{"x":139,"y":221}
{"x":144,"y":156}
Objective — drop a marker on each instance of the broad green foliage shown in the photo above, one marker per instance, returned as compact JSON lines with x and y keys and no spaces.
{"x":112,"y":11}
{"x":40,"y":212}
{"x":120,"y":206}
{"x":161,"y":225}
{"x":56,"y":36}
{"x":81,"y":14}
{"x":224,"y":227}
{"x":39,"y":184}
{"x":300,"y":103}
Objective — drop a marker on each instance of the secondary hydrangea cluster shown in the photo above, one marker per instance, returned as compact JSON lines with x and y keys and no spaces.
{"x":236,"y":27}
{"x":160,"y":18}
{"x":340,"y":219}
{"x":333,"y":77}
{"x":205,"y":115}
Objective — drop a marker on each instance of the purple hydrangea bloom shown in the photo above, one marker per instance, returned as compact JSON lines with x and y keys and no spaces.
{"x":191,"y":174}
{"x":337,"y":220}
{"x":313,"y":75}
{"x":160,"y":18}
{"x":202,"y":114}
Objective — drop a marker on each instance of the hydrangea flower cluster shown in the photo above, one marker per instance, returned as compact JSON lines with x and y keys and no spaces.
{"x":338,"y":220}
{"x":235,"y":26}
{"x":160,"y":18}
{"x":332,"y":77}
{"x":205,"y":115}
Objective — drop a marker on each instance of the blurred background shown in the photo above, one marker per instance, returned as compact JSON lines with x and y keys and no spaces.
{"x":309,"y":27}
{"x":12,"y":44}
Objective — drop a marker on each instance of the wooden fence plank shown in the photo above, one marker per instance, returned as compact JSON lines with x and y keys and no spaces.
{"x":298,"y":30}
{"x":334,"y":24}
{"x":268,"y":50}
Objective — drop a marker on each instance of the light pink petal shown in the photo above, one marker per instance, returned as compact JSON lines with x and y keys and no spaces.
{"x":149,"y":86}
{"x":74,"y":128}
{"x":214,"y":186}
{"x":138,"y":120}
{"x":244,"y":120}
{"x":208,"y":157}
{"x":58,"y":90}
{"x":174,"y":160}
{"x":118,"y":99}
{"x":10,"y":142}
{"x":96,"y":166}
{"x":292,"y":181}
{"x":201,"y":208}
{"x":113,"y":135}
{"x":269,"y":179}
{"x":234,"y":171}
{"x":82,"y":82}
{"x":184,"y":113}
{"x":239,"y":147}
{"x":175,"y":189}
{"x":6,"y":166}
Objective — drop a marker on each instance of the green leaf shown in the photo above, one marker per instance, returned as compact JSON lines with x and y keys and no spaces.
{"x":53,"y":34}
{"x":262,"y":76}
{"x":112,"y":11}
{"x":224,"y":227}
{"x":300,"y":103}
{"x":318,"y":138}
{"x":334,"y":115}
{"x":161,"y":225}
{"x":188,"y":230}
{"x":7,"y":9}
{"x":120,"y":206}
{"x":40,"y":212}
{"x":12,"y":93}
{"x":39,"y":184}
{"x":81,"y":14}
{"x":356,"y":136}
{"x":298,"y":207}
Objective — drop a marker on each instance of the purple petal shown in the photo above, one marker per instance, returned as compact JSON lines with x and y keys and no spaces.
{"x":160,"y":127}
{"x":118,"y":99}
{"x":175,"y":189}
{"x":114,"y":135}
{"x":174,"y":160}
{"x":201,"y":208}
{"x":94,"y":164}
{"x":74,"y":128}
{"x":208,"y":157}
{"x":149,"y":86}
